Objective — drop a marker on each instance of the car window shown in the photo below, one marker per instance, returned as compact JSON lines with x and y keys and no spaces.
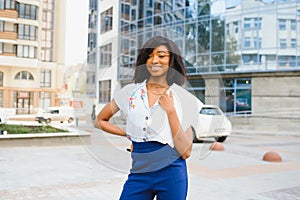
{"x":210,"y":111}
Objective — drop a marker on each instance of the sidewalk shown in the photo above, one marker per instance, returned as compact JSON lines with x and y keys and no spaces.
{"x":98,"y":170}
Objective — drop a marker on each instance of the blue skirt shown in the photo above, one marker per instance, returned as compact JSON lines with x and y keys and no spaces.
{"x":152,"y":156}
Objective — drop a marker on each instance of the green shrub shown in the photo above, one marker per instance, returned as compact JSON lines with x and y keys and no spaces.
{"x":22,"y":129}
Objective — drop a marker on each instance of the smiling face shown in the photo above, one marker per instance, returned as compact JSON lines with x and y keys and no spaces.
{"x":158,"y":62}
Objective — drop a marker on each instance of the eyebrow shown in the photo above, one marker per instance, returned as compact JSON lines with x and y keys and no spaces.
{"x":163,"y":51}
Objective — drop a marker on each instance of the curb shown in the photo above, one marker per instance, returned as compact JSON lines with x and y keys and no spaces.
{"x":45,"y":139}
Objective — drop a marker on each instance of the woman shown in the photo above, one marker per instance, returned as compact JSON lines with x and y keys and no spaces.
{"x":159,"y":116}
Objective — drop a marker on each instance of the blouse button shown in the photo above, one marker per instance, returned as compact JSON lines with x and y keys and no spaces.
{"x":144,"y":129}
{"x":146,"y":118}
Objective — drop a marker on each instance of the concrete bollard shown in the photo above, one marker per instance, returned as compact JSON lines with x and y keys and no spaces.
{"x":216,"y":146}
{"x":272,"y":157}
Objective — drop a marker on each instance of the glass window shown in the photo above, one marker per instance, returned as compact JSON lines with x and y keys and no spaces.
{"x":24,"y":75}
{"x":235,"y":95}
{"x":1,"y":25}
{"x":292,"y":61}
{"x":1,"y":79}
{"x":104,"y":91}
{"x":282,"y":61}
{"x":293,"y":43}
{"x":107,"y":20}
{"x":257,"y":42}
{"x":293,"y":25}
{"x":247,"y":23}
{"x":45,"y":79}
{"x":247,"y":42}
{"x":1,"y":4}
{"x":45,"y":100}
{"x":105,"y":55}
{"x":26,"y":51}
{"x":257,"y":23}
{"x":1,"y":47}
{"x":283,"y":43}
{"x":282,"y":24}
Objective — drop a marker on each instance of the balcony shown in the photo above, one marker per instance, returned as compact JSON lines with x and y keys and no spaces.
{"x":13,"y":14}
{"x":8,"y":35}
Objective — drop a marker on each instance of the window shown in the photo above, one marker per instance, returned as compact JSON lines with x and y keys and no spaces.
{"x":293,"y":43}
{"x":236,"y":27}
{"x":197,"y":87}
{"x":247,"y":42}
{"x":251,"y":58}
{"x":25,"y":51}
{"x":24,"y":75}
{"x":2,"y":5}
{"x":235,"y":95}
{"x":293,"y":25}
{"x":282,"y":61}
{"x":247,"y":23}
{"x":26,"y":32}
{"x":105,"y":55}
{"x":45,"y":79}
{"x":257,"y":23}
{"x":282,"y":24}
{"x":106,"y":20}
{"x":1,"y":79}
{"x":1,"y":25}
{"x":283,"y":43}
{"x":7,"y":4}
{"x":27,"y":11}
{"x":1,"y":98}
{"x":45,"y":100}
{"x":104,"y":91}
{"x":1,"y":47}
{"x":257,"y":42}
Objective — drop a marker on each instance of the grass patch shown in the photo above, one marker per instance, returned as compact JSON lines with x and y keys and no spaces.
{"x":22,"y":129}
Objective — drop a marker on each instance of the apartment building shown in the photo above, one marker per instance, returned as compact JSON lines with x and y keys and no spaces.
{"x":31,"y":54}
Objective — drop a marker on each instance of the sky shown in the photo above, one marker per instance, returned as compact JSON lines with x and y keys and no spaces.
{"x":76,"y":32}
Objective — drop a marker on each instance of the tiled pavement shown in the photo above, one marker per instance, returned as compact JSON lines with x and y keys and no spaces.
{"x":98,"y":170}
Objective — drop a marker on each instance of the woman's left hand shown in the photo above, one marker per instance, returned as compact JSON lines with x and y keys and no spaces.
{"x":166,"y":102}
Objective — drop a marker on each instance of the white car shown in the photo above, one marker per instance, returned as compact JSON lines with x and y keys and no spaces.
{"x":212,"y":122}
{"x":56,"y":114}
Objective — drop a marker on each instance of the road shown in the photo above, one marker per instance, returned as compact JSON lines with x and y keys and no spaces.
{"x":97,"y":169}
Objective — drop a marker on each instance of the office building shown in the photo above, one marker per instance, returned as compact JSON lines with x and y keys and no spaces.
{"x":243,"y":56}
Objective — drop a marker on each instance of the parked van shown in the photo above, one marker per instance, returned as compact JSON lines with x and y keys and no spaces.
{"x":61,"y":114}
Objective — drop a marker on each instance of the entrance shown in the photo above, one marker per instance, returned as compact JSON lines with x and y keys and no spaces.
{"x":23,"y":101}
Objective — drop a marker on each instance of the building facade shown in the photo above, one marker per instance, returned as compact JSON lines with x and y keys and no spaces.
{"x":243,"y":56}
{"x":31,"y":54}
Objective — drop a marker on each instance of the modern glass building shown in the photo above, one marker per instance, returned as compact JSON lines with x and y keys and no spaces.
{"x":243,"y":56}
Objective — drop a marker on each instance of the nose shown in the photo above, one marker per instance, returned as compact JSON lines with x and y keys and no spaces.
{"x":154,"y":59}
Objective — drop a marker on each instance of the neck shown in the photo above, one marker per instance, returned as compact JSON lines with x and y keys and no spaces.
{"x":158,"y":82}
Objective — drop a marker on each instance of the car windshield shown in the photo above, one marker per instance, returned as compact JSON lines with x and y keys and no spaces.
{"x":210,"y":111}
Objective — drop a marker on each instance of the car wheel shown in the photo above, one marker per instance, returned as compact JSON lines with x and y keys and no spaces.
{"x":70,"y":120}
{"x":220,"y":139}
{"x":48,"y":120}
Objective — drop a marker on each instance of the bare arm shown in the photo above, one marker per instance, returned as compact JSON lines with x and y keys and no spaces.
{"x":182,"y":140}
{"x":102,"y":119}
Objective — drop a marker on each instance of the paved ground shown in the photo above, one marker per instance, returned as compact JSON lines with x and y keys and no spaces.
{"x":97,"y":169}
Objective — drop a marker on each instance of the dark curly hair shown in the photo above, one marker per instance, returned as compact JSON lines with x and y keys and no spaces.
{"x":176,"y":72}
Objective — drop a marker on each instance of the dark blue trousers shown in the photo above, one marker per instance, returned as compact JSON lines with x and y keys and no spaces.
{"x":157,"y":170}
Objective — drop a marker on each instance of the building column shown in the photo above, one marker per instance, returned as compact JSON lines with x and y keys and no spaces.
{"x":212,"y":91}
